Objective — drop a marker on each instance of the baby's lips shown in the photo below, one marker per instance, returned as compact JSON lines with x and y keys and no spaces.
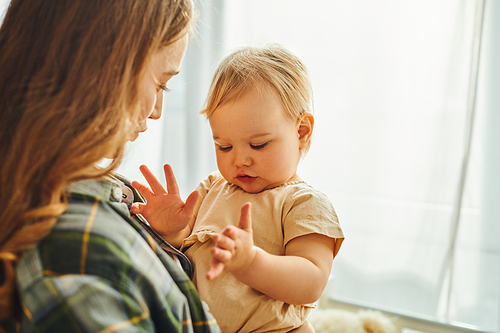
{"x":245,"y":178}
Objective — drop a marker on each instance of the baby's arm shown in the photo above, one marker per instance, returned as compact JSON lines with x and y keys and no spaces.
{"x":298,"y":277}
{"x":164,"y":209}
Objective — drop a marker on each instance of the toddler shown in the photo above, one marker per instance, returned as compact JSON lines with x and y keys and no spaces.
{"x":261,"y":240}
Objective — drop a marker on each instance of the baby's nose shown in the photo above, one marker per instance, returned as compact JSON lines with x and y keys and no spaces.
{"x":242,"y":159}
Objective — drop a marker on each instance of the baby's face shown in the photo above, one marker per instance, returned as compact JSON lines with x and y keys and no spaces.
{"x":257,"y":146}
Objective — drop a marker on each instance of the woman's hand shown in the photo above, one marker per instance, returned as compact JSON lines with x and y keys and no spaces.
{"x":233,"y":250}
{"x":164,"y":209}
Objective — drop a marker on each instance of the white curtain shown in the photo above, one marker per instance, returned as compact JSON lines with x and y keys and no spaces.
{"x":3,"y":8}
{"x":392,"y":82}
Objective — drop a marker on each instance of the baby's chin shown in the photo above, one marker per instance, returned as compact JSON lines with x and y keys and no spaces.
{"x":250,"y":189}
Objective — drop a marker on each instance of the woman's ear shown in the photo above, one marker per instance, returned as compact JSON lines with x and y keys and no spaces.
{"x":305,"y":128}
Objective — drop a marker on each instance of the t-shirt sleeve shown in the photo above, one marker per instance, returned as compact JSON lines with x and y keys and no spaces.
{"x":309,"y":211}
{"x":205,"y":186}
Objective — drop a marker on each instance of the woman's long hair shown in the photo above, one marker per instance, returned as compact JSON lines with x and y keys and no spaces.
{"x":68,"y":94}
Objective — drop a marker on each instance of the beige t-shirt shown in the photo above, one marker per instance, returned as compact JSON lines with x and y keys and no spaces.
{"x":278,"y":215}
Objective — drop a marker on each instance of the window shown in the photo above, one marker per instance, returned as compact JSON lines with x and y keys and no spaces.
{"x":392,"y":83}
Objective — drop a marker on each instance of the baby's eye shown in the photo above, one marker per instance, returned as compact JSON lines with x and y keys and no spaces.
{"x":224,"y":148}
{"x":259,"y":146}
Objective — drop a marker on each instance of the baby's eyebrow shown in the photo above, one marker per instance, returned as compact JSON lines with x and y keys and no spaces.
{"x":259,"y":135}
{"x":253,"y":136}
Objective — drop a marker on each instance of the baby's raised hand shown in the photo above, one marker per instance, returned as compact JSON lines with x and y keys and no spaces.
{"x":233,"y":250}
{"x":164,"y":209}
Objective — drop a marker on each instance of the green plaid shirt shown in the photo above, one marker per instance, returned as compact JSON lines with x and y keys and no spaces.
{"x":100,"y":271}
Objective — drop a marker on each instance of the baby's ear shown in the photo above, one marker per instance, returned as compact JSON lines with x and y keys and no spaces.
{"x":305,"y":128}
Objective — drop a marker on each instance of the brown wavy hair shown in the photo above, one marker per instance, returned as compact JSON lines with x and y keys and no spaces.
{"x":68,"y":94}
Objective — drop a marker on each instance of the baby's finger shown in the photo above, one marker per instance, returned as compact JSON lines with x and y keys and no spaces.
{"x":231,"y":232}
{"x":216,"y":268}
{"x":223,"y":242}
{"x":221,"y":255}
{"x":191,"y":201}
{"x":137,"y":208}
{"x":172,"y":186}
{"x":143,"y":189}
{"x":246,"y":217}
{"x":155,"y":184}
{"x":215,"y":271}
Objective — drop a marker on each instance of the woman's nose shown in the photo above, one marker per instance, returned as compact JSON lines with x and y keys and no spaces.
{"x":157,"y":110}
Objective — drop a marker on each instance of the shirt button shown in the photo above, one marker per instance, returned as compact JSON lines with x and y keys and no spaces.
{"x":117,"y":194}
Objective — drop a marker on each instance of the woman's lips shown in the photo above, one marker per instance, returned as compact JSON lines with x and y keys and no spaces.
{"x":245,"y":178}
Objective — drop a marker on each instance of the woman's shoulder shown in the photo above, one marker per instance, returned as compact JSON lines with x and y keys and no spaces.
{"x":95,"y":213}
{"x":96,"y":263}
{"x":95,"y":217}
{"x":91,"y":238}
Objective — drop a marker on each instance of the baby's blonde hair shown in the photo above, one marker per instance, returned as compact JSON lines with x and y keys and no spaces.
{"x":272,"y":65}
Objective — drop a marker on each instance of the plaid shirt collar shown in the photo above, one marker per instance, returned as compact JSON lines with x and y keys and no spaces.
{"x":118,"y":189}
{"x":107,"y":189}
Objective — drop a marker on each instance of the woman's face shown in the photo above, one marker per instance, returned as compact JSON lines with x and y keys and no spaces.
{"x":164,"y":65}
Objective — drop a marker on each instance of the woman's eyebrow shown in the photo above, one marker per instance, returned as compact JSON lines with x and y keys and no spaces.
{"x":169,"y":74}
{"x":173,"y":72}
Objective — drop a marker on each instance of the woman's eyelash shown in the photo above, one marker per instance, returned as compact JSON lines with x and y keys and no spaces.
{"x":164,"y":88}
{"x":259,"y":146}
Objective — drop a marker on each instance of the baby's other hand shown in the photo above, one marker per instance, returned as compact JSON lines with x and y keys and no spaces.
{"x":164,"y":209}
{"x":234,"y":250}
